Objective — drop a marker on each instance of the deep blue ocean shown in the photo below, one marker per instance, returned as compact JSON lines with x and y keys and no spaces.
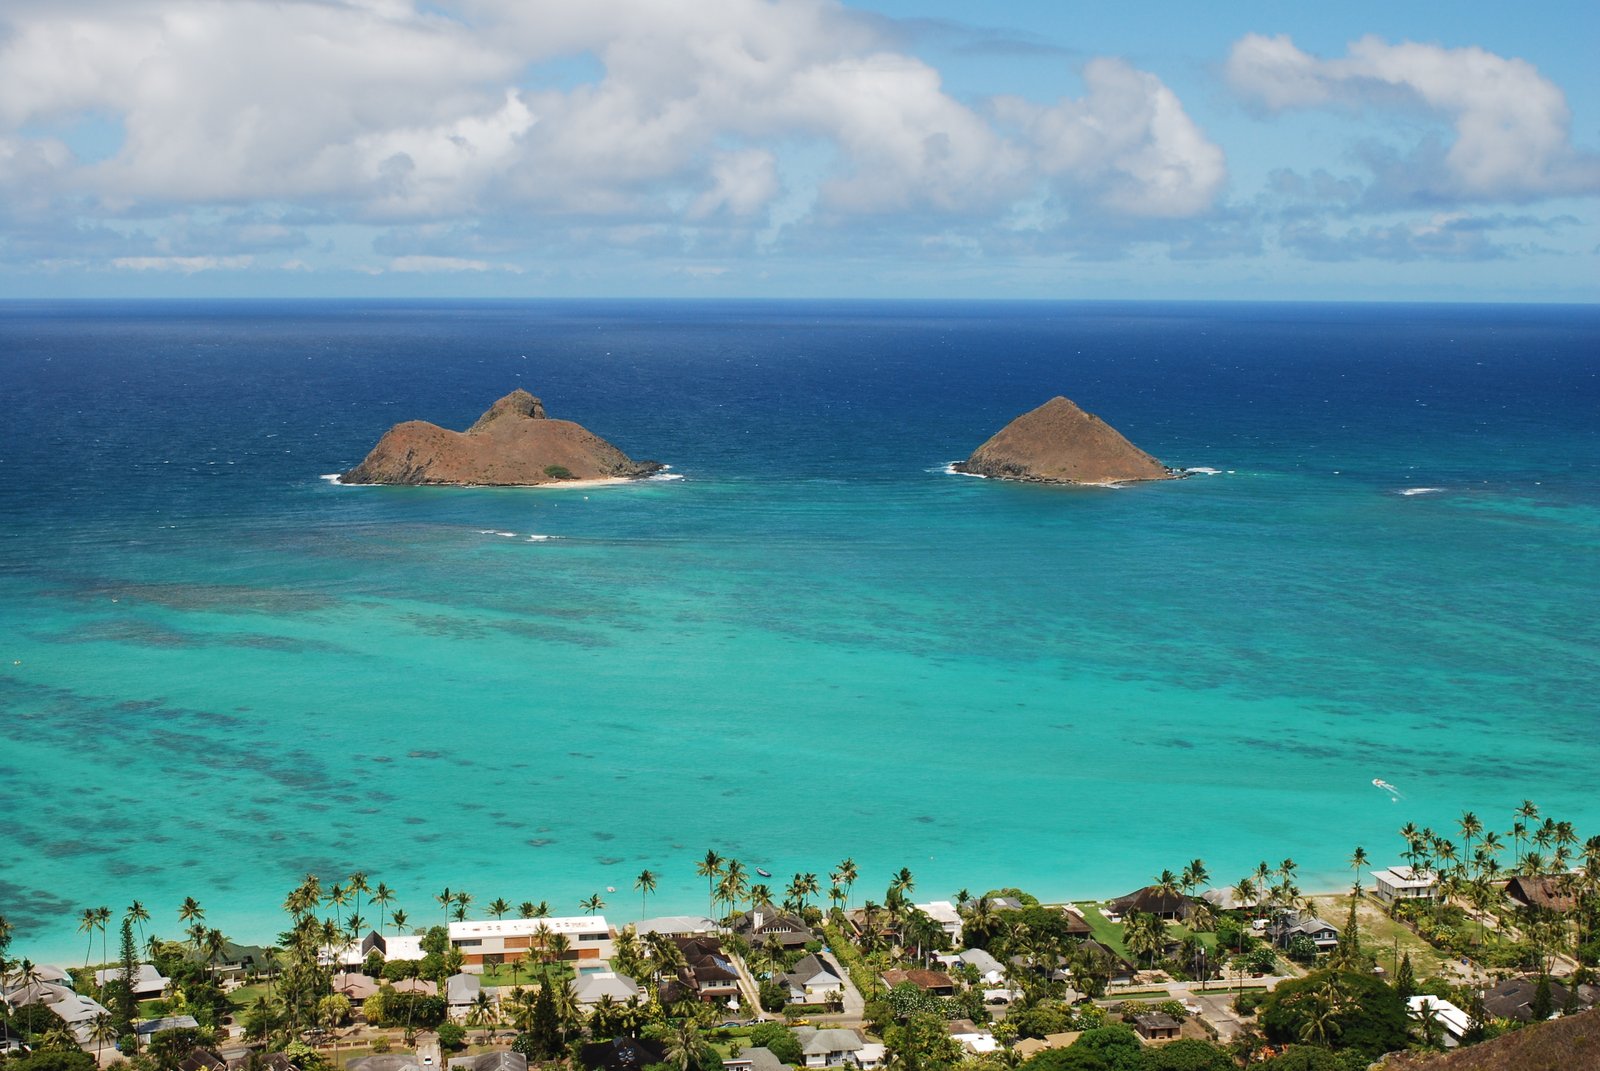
{"x":219,"y":671}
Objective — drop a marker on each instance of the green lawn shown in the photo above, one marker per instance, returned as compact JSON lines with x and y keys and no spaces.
{"x":247,"y":995}
{"x":527,"y":974}
{"x":1383,"y":937}
{"x":1110,"y":933}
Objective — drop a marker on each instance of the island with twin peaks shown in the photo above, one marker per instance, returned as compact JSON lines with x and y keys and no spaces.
{"x":513,"y":444}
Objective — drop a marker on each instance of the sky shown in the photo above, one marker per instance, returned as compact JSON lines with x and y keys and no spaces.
{"x":800,"y":148}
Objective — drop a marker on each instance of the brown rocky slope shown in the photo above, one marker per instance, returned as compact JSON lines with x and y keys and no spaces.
{"x":1060,"y":443}
{"x":514,"y":444}
{"x":1571,"y":1043}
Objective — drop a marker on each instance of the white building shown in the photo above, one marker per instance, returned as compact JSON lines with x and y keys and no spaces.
{"x":147,"y":981}
{"x":502,"y":940}
{"x":1454,"y":1021}
{"x":945,"y":914}
{"x":1405,"y":883}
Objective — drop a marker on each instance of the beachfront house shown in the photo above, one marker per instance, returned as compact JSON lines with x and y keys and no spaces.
{"x":991,"y":972}
{"x":1396,"y":883}
{"x":1543,"y":893}
{"x":766,"y":925}
{"x":148,"y":982}
{"x":678,"y":926}
{"x":1151,"y":900}
{"x":493,"y":941}
{"x":1514,"y":997}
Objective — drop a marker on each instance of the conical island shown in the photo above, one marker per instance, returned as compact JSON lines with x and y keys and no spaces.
{"x":512,"y":445}
{"x":1060,"y":443}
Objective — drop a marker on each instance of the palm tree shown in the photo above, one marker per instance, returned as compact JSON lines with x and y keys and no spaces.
{"x":733,"y":887}
{"x":399,"y":918}
{"x":337,"y":896}
{"x":1470,"y":827}
{"x":215,"y":944}
{"x":483,"y":1015}
{"x":686,"y":1049}
{"x":525,"y":910}
{"x":847,"y":877}
{"x":541,"y":910}
{"x":383,"y":896}
{"x":191,"y":912}
{"x":498,"y":907}
{"x":1167,"y":884}
{"x":87,"y":922}
{"x":103,"y":1028}
{"x":902,"y":883}
{"x":444,"y":900}
{"x":592,"y":903}
{"x":646,"y":884}
{"x":463,"y":901}
{"x":760,"y":894}
{"x":138,"y":915}
{"x":358,"y":887}
{"x":102,"y":915}
{"x":710,"y":868}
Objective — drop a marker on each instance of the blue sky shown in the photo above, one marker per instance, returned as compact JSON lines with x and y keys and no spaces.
{"x":777,"y":148}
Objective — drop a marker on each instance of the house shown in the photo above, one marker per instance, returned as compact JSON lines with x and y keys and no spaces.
{"x":202,"y":1060}
{"x":1405,"y":883}
{"x":1156,"y":1026}
{"x":147,"y":981}
{"x":974,"y":1040}
{"x":827,"y":1048}
{"x":492,"y":941}
{"x":621,"y":1054}
{"x":678,"y":926}
{"x":9,"y":1042}
{"x":1029,"y":1047}
{"x":938,"y":983}
{"x":708,"y":970}
{"x":1544,"y":893}
{"x":1454,"y":1021}
{"x":151,"y":1027}
{"x":814,"y":980}
{"x":765,"y":925}
{"x":386,"y":1062}
{"x":78,"y":1012}
{"x":1288,"y":925}
{"x":355,"y":987}
{"x":461,"y":990}
{"x":1151,"y":900}
{"x":945,"y":914}
{"x":759,"y":1058}
{"x":348,"y":954}
{"x":1226,"y":899}
{"x":1513,"y":998}
{"x":1077,"y":926}
{"x":991,"y":971}
{"x":490,"y":1061}
{"x":404,"y":946}
{"x":419,"y":986}
{"x":590,"y":989}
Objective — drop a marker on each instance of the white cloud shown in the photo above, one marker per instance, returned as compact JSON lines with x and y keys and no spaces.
{"x":1511,"y":124}
{"x":1128,"y":142}
{"x":718,"y":122}
{"x":422,"y":263}
{"x":183,"y":265}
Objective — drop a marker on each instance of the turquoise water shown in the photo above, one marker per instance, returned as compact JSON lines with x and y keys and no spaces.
{"x":219,"y":671}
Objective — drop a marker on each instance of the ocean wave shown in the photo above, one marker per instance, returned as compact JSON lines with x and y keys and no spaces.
{"x":536,"y":538}
{"x":951,"y":470}
{"x":496,"y":532}
{"x":333,"y":478}
{"x":1409,"y":491}
{"x":1204,"y":470}
{"x":662,"y":476}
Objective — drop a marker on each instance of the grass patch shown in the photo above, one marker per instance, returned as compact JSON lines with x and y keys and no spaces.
{"x":500,"y":974}
{"x":247,"y":995}
{"x":1383,"y":937}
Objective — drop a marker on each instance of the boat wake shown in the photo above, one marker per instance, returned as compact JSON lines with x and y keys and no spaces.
{"x":1394,"y":793}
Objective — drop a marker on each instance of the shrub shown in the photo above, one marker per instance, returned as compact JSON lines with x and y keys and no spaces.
{"x":452,"y":1035}
{"x":558,"y":472}
{"x":380,"y":1046}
